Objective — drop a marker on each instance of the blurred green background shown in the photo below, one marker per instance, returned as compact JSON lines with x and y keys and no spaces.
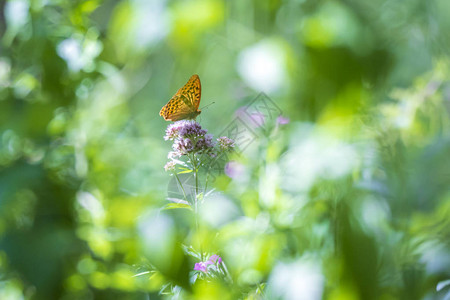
{"x":350,"y":200}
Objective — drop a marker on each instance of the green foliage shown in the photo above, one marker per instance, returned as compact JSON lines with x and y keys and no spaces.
{"x":349,"y":200}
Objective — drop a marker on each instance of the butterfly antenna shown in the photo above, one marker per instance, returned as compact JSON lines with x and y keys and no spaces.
{"x":207,"y":105}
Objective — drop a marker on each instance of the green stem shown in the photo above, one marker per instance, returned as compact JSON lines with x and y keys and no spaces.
{"x":196,"y":199}
{"x":228,"y":276}
{"x":206,"y":183}
{"x":182,"y":188}
{"x":207,"y":174}
{"x":195,"y":170}
{"x":196,"y":184}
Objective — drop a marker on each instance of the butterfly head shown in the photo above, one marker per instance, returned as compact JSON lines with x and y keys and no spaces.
{"x":195,"y":114}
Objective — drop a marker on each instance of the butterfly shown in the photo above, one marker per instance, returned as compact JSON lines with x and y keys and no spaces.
{"x":184,"y":104}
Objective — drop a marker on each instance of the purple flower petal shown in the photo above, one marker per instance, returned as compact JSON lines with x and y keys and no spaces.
{"x":240,"y":112}
{"x":225,"y":144}
{"x":201,"y":266}
{"x":188,"y":137}
{"x":215,"y":258}
{"x":258,"y":118}
{"x":254,"y":119}
{"x":170,"y":166}
{"x":191,"y":129}
{"x":282,"y":120}
{"x":234,"y":170}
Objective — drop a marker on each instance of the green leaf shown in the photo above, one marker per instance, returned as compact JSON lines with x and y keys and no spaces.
{"x":177,"y":205}
{"x":185,"y":171}
{"x":191,"y":251}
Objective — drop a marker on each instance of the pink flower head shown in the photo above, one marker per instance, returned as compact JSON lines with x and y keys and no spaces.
{"x":190,"y":129}
{"x":201,"y":266}
{"x":215,"y":259}
{"x":225,"y":144}
{"x":173,"y":130}
{"x":256,"y":118}
{"x":170,"y":166}
{"x":233,"y":169}
{"x":188,"y":137}
{"x":282,"y":120}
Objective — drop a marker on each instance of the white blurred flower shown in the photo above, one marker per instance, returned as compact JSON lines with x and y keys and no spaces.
{"x":91,"y":204}
{"x":150,"y":23}
{"x":435,"y":257}
{"x":70,"y":50}
{"x":5,"y":70}
{"x":234,"y":169}
{"x":299,"y":280}
{"x":313,"y":155}
{"x":262,"y":66}
{"x":218,"y":210}
{"x":375,"y":212}
{"x":79,"y":52}
{"x":158,"y":236}
{"x":16,"y":13}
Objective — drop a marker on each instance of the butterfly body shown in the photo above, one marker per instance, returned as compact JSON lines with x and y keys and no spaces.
{"x":184,"y":104}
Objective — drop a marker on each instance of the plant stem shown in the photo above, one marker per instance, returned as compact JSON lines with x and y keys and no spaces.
{"x":196,"y":199}
{"x":207,"y":174}
{"x":182,"y":188}
{"x":195,"y":170}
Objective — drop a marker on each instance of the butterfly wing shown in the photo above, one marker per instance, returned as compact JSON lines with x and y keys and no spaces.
{"x":176,"y":109}
{"x":184,"y":104}
{"x":193,"y":91}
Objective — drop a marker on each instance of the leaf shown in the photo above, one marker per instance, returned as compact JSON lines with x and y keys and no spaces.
{"x":190,"y":251}
{"x":200,"y":197}
{"x":185,"y":171}
{"x":142,"y":273}
{"x":442,"y":284}
{"x":177,"y":200}
{"x":177,"y":205}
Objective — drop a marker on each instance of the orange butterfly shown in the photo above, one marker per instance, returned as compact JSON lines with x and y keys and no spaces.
{"x":184,"y":104}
